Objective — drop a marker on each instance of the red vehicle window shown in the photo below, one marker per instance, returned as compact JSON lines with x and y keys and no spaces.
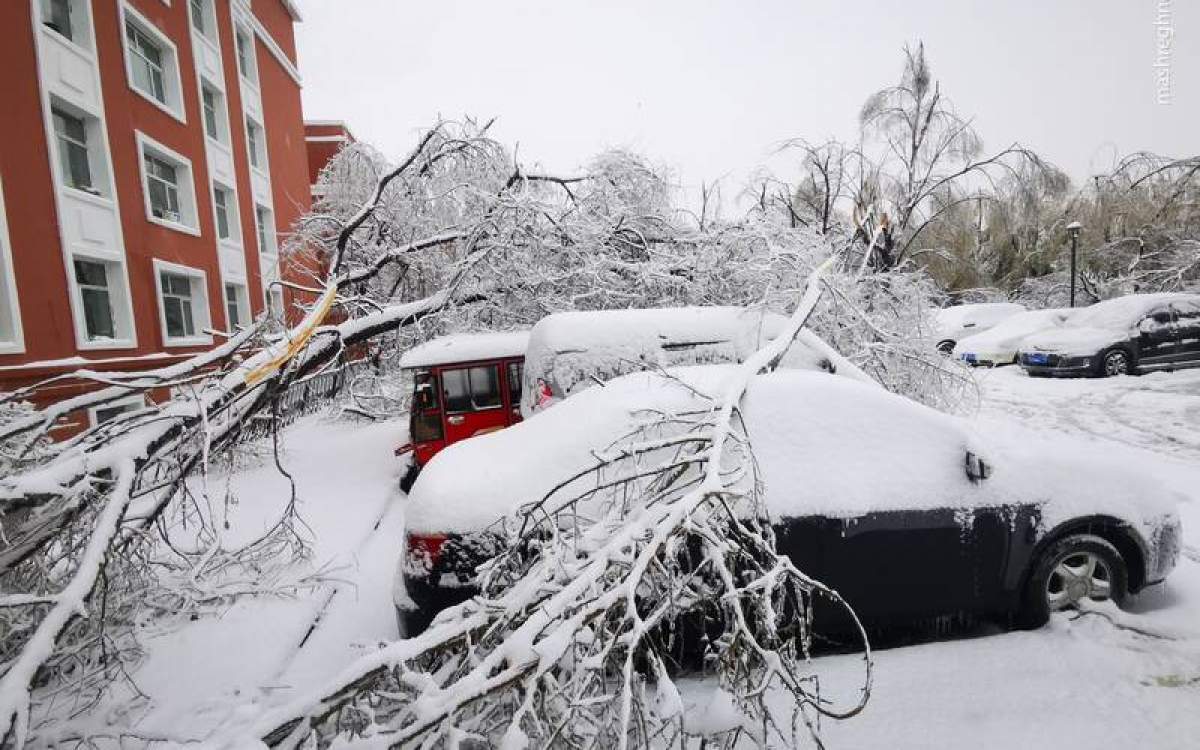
{"x":471,"y":389}
{"x":514,"y":383}
{"x":424,"y":397}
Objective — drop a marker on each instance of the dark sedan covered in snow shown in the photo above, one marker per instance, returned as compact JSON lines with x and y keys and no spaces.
{"x":1123,"y":336}
{"x":893,"y":504}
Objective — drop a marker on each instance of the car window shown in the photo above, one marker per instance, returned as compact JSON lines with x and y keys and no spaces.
{"x":1187,"y":313}
{"x":1155,"y":321}
{"x":471,"y":388}
{"x":514,"y":383}
{"x":424,"y":397}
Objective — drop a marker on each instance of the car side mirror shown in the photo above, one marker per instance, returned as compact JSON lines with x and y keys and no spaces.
{"x":977,"y":469}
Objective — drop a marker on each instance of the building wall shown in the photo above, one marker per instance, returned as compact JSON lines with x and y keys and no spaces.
{"x":48,"y":226}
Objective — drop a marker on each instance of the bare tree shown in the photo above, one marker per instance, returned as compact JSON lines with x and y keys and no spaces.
{"x":931,"y":159}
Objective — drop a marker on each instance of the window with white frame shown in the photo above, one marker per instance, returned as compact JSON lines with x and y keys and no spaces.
{"x":257,"y":144}
{"x":167,"y":184}
{"x":275,"y":301}
{"x":113,"y":409}
{"x":59,"y":15}
{"x":236,"y":313}
{"x":225,"y":207}
{"x":266,"y":229}
{"x":11,"y":335}
{"x":96,"y":299}
{"x":202,"y":18}
{"x":243,"y":42}
{"x":183,"y":303}
{"x":212,"y":103}
{"x":152,"y":63}
{"x":74,"y":155}
{"x":162,"y":183}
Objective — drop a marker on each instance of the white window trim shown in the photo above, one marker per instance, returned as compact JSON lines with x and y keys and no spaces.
{"x":246,"y":29}
{"x":263,"y":167}
{"x":84,"y":5}
{"x":223,"y":128}
{"x":273,"y":250}
{"x":15,"y":345}
{"x":234,"y":218}
{"x":98,"y":164}
{"x":82,"y":343}
{"x":243,"y":302}
{"x":210,"y":18}
{"x":172,"y":77}
{"x":117,"y":309}
{"x":145,"y":142}
{"x":138,"y":402}
{"x":200,"y":309}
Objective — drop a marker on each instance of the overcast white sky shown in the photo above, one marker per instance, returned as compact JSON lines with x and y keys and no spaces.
{"x":711,"y":88}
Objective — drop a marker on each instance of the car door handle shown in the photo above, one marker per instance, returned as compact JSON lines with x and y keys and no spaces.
{"x":455,"y":420}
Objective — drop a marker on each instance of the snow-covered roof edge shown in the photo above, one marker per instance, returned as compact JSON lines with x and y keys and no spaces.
{"x":466,"y":347}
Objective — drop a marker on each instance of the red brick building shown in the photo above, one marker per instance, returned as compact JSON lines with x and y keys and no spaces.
{"x":324,"y":138}
{"x":152,"y":153}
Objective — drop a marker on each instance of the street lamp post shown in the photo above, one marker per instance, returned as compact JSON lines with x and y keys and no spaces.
{"x":1073,"y":229}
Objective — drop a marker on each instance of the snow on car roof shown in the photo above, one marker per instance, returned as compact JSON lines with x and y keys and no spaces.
{"x":953,"y":317}
{"x":1121,"y":312}
{"x":466,"y":347}
{"x":572,"y":351}
{"x":824,"y":445}
{"x":1011,"y":330}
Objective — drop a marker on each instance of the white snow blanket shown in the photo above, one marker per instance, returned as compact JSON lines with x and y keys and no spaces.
{"x":824,"y":445}
{"x":466,"y":347}
{"x":571,"y":351}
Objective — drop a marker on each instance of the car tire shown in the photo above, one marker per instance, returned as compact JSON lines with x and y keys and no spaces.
{"x":946,"y":347}
{"x":1116,"y":362}
{"x":1076,"y":567}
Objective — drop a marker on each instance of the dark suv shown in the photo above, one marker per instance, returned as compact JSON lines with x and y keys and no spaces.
{"x":1127,"y":335}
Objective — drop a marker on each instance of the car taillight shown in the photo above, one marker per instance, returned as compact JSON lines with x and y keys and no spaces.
{"x":425,"y":426}
{"x":424,"y":550}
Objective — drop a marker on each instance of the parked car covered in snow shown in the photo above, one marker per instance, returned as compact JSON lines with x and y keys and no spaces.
{"x":1127,"y":335}
{"x":885,"y":500}
{"x":954,"y":323}
{"x":999,"y":345}
{"x":463,"y":385}
{"x":571,"y":351}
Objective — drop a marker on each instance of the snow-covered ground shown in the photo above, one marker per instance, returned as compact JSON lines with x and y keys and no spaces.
{"x":1074,"y":684}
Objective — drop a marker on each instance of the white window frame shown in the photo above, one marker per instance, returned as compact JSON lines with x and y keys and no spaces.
{"x":233,"y":210}
{"x":97,"y":169}
{"x":81,"y":25}
{"x":172,"y":82}
{"x":256,"y":145}
{"x":118,"y":304}
{"x":265,"y":235}
{"x":248,"y":72}
{"x":136,"y":403}
{"x":273,"y":299}
{"x":188,"y":217}
{"x":12,"y":341}
{"x":209,"y":21}
{"x":241,"y":299}
{"x":222,"y":112}
{"x":201,"y":319}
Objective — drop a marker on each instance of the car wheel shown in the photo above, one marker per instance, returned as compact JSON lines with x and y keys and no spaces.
{"x":945,"y":347}
{"x":1075,"y":568}
{"x":1116,"y":362}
